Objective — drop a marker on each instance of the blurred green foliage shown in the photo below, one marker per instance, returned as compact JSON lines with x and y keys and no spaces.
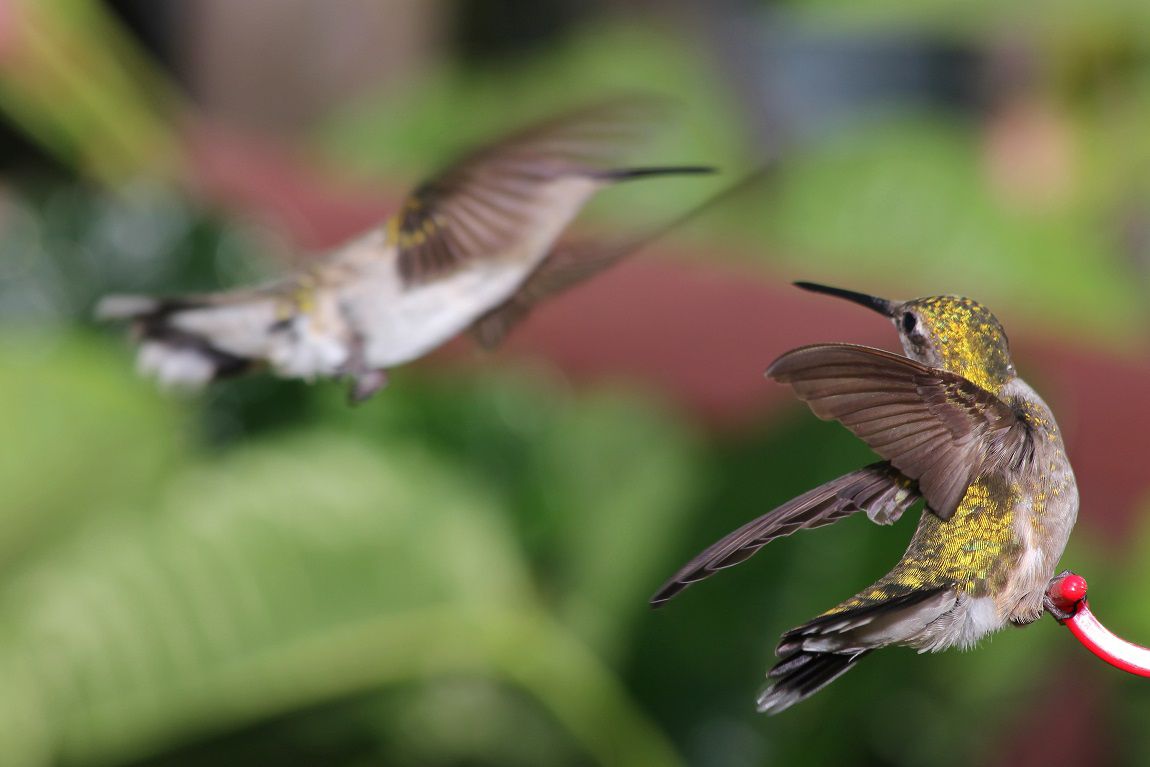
{"x":76,"y":81}
{"x":184,"y":592}
{"x":454,"y":573}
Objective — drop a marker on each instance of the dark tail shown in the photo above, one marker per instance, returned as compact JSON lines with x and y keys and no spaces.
{"x":802,"y":674}
{"x":821,"y":650}
{"x":174,"y":356}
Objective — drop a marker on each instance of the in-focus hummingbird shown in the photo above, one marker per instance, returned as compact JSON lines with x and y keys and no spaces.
{"x":473,"y":248}
{"x":956,"y":427}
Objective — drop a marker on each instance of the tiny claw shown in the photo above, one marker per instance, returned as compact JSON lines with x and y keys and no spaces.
{"x":1059,"y":614}
{"x":365,"y":384}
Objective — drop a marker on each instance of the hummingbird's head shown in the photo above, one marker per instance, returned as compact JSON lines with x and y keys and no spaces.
{"x":948,"y":332}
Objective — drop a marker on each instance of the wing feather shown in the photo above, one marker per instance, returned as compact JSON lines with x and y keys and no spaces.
{"x":935,"y":426}
{"x":878,"y":489}
{"x":479,"y":205}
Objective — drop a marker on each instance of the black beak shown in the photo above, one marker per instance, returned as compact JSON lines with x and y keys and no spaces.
{"x":880,"y":305}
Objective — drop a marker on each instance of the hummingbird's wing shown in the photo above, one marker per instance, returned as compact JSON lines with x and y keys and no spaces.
{"x":572,"y":262}
{"x":934,"y":426}
{"x":879,"y":489}
{"x":559,"y":270}
{"x":479,"y":206}
{"x":567,"y":265}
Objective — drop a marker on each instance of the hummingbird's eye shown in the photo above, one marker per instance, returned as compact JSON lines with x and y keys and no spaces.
{"x":908,"y":322}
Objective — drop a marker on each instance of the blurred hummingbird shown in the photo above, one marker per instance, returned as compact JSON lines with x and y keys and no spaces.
{"x":473,"y":248}
{"x":957,"y":428}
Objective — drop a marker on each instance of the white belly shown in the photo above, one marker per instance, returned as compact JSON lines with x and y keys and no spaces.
{"x":405,"y":324}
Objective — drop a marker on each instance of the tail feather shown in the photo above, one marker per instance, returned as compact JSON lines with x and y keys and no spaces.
{"x":801,"y":676}
{"x":175,"y":356}
{"x":823,"y":649}
{"x":125,"y":307}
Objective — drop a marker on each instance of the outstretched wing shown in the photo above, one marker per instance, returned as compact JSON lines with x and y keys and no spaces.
{"x":478,"y":206}
{"x":934,"y":426}
{"x":574,"y":261}
{"x":879,"y":489}
{"x":567,"y":265}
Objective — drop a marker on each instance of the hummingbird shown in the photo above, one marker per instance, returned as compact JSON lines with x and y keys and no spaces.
{"x":956,"y":428}
{"x":473,"y":248}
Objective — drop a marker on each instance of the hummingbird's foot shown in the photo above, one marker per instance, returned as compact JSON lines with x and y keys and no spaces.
{"x":366,"y":383}
{"x":1059,"y":614}
{"x":1056,"y":602}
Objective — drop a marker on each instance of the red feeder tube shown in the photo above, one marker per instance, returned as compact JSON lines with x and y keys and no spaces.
{"x":1067,"y":592}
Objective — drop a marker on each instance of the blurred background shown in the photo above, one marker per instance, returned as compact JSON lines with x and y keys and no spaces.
{"x":457,"y":572}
